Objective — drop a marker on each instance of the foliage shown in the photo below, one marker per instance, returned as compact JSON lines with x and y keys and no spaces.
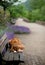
{"x":4,"y":14}
{"x":37,"y":11}
{"x":18,"y":11}
{"x":6,"y":3}
{"x":10,"y":35}
{"x":19,"y":29}
{"x":2,"y":30}
{"x":37,"y":4}
{"x":4,"y":19}
{"x":35,"y":15}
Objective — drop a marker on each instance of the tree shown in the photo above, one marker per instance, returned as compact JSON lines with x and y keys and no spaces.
{"x":36,"y":4}
{"x":37,"y":10}
{"x":17,"y":11}
{"x":6,"y":3}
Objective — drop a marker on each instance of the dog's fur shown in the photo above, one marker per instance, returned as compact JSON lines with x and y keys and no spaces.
{"x":16,"y":44}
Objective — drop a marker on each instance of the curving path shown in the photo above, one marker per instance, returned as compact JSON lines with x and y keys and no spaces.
{"x":34,"y":44}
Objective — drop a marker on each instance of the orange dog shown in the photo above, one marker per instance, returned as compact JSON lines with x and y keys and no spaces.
{"x":16,"y":45}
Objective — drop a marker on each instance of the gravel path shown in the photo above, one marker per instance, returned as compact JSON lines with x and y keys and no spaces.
{"x":34,"y":44}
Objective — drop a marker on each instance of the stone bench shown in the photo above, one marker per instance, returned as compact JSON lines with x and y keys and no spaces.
{"x":13,"y":56}
{"x":3,"y":38}
{"x":7,"y":55}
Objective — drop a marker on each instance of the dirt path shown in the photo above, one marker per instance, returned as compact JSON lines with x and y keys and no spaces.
{"x":34,"y":44}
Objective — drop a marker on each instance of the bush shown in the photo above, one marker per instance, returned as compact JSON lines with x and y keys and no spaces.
{"x":36,"y":14}
{"x":19,"y":29}
{"x":1,"y":14}
{"x":4,"y":16}
{"x":18,"y":11}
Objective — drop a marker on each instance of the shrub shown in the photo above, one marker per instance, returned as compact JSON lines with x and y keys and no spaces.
{"x":4,"y":16}
{"x":10,"y":35}
{"x":20,"y":29}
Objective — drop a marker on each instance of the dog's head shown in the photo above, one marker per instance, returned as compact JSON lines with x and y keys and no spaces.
{"x":14,"y":40}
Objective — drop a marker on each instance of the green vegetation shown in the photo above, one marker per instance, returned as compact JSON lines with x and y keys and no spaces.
{"x":37,"y":10}
{"x":31,"y":10}
{"x":7,"y":3}
{"x":34,"y":11}
{"x":4,"y":18}
{"x":18,"y":11}
{"x":5,"y":14}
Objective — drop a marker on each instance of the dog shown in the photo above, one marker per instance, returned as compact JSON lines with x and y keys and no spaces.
{"x":16,"y":45}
